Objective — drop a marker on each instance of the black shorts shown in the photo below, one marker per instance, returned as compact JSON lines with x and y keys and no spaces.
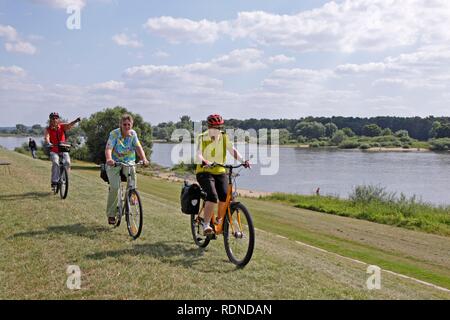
{"x":215,"y":186}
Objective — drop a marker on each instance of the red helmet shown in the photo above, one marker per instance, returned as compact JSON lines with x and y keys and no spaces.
{"x":215,"y":120}
{"x":53,"y":115}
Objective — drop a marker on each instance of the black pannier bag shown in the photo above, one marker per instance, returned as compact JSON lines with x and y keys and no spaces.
{"x":190,"y":198}
{"x":104,"y":175}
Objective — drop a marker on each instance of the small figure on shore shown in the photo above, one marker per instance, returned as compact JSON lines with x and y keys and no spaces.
{"x":318,"y":192}
{"x":32,"y":146}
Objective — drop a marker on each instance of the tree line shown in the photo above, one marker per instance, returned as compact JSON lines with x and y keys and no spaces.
{"x":89,"y":139}
{"x":418,"y":128}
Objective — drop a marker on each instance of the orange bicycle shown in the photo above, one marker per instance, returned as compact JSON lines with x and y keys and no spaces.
{"x":236,"y":224}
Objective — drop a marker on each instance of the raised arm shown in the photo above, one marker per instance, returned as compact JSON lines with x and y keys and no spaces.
{"x":70,"y":125}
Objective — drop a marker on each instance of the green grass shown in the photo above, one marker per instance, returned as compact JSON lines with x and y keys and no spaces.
{"x":40,"y":235}
{"x":406,"y":214}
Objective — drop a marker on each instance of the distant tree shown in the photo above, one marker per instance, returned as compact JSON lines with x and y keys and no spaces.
{"x":330,"y":129}
{"x":100,"y":124}
{"x":37,"y":129}
{"x":284,"y":136}
{"x":402,"y":134}
{"x":20,"y":128}
{"x":310,"y":130}
{"x":386,"y":132}
{"x":443,"y":131}
{"x":348,"y":132}
{"x":371,"y":130}
{"x":434,"y":129}
{"x":338,"y":137}
{"x":185,"y":123}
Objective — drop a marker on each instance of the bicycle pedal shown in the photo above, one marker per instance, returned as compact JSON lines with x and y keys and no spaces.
{"x":212,"y":236}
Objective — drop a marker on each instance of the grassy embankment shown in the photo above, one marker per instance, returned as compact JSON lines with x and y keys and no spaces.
{"x":374,"y":204}
{"x":41,"y":235}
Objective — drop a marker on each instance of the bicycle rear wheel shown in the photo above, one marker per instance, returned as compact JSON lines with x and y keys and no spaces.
{"x":239,"y":235}
{"x":63,"y":183}
{"x":134,"y":214}
{"x":197,"y":232}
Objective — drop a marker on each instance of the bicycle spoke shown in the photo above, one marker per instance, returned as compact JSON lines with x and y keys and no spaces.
{"x":239,"y":236}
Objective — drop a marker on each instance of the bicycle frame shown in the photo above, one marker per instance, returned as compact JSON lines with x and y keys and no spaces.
{"x":122,"y":195}
{"x":218,"y":228}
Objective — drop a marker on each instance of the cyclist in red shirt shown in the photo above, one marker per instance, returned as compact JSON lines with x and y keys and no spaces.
{"x":54,"y":134}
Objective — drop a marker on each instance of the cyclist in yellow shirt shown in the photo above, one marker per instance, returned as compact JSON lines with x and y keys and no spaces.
{"x":213,"y":145}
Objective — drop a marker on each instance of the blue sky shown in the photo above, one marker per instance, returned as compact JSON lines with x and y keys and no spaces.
{"x":274,"y":59}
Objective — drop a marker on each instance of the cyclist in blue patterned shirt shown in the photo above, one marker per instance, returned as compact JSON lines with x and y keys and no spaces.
{"x":122,"y":146}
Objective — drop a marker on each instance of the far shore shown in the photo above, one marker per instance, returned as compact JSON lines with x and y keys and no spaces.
{"x":19,"y":135}
{"x":306,"y":146}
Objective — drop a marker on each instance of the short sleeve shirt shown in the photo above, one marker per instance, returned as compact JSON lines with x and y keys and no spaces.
{"x":123,"y":148}
{"x":213,"y":151}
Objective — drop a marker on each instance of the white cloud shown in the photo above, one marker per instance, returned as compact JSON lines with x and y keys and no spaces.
{"x":13,"y":41}
{"x":357,"y":68}
{"x":8,"y":33}
{"x":12,"y":71}
{"x":347,"y":26}
{"x":109,"y":85}
{"x":428,"y":67}
{"x":178,"y":30}
{"x":281,"y":59}
{"x":122,"y":39}
{"x":20,"y":47}
{"x":62,"y":4}
{"x":160,"y":54}
{"x":237,"y":61}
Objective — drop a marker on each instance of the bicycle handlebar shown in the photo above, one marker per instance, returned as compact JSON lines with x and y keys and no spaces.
{"x":49,"y":145}
{"x":128,"y":165}
{"x":226,"y":166}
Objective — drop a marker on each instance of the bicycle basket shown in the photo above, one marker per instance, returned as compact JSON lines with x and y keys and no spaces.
{"x":190,"y":198}
{"x":64,"y":147}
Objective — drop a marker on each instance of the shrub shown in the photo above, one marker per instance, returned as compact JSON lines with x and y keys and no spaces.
{"x":80,"y":153}
{"x":349,"y":144}
{"x":442,"y":144}
{"x":364,"y":146}
{"x":369,"y":193}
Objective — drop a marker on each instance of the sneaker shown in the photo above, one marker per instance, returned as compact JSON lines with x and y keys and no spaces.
{"x":207,"y":229}
{"x":111,"y":220}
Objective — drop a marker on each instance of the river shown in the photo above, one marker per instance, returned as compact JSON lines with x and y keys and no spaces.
{"x":337,"y":172}
{"x":334,"y":171}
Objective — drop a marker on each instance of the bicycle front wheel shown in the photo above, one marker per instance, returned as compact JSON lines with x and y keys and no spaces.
{"x":134,"y":214}
{"x":63,"y":183}
{"x":239,"y":235}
